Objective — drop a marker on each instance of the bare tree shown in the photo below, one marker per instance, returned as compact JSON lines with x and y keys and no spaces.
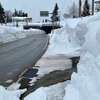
{"x":66,"y":15}
{"x":72,"y":12}
{"x":8,"y":15}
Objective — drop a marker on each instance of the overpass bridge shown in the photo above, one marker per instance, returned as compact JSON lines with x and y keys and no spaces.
{"x":47,"y":27}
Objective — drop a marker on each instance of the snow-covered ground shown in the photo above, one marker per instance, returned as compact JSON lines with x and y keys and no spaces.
{"x":10,"y":95}
{"x":78,"y":37}
{"x":8,"y":33}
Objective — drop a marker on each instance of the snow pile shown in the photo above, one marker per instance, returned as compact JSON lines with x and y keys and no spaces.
{"x":64,"y":40}
{"x":8,"y":34}
{"x":54,"y":92}
{"x":10,"y":95}
{"x":80,"y":32}
{"x":85,"y":84}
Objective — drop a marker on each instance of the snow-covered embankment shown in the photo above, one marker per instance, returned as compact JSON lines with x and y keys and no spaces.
{"x":85,"y":84}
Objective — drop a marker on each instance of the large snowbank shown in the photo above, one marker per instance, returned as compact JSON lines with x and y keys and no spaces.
{"x":64,"y":40}
{"x":85,"y":84}
{"x":8,"y":34}
{"x":10,"y":95}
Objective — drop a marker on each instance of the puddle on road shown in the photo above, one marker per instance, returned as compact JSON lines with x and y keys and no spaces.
{"x":30,"y":73}
{"x":47,"y":80}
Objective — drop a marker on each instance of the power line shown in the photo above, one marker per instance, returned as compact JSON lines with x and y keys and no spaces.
{"x":63,"y":5}
{"x":68,"y":4}
{"x":71,"y":2}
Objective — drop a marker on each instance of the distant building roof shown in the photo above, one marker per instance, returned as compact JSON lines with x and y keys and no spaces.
{"x":21,"y":18}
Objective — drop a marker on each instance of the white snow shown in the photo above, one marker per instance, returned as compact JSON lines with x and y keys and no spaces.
{"x":64,"y":41}
{"x":14,"y":86}
{"x":10,"y":95}
{"x":54,"y":92}
{"x":85,"y":84}
{"x":20,"y":18}
{"x":8,"y":34}
{"x":78,"y":37}
{"x":9,"y":81}
{"x":50,"y":62}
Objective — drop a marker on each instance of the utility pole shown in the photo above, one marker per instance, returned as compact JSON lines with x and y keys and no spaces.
{"x":79,"y":8}
{"x":92,"y":7}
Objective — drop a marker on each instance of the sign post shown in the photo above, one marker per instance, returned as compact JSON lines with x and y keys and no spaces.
{"x":44,"y":13}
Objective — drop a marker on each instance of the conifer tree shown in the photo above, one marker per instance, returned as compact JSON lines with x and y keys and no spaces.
{"x":15,"y":13}
{"x":26,"y":15}
{"x":54,"y":16}
{"x":86,"y":9}
{"x":2,"y":14}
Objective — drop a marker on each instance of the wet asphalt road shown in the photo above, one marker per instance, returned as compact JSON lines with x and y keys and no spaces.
{"x":20,"y":54}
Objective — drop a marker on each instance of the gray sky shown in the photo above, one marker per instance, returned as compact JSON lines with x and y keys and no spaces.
{"x":33,"y":7}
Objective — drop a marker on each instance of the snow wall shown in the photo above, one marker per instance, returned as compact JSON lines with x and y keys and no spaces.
{"x":85,"y":84}
{"x":64,"y":40}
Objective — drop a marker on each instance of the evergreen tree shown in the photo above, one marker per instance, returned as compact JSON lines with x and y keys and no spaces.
{"x":2,"y":14}
{"x":86,"y":9}
{"x":54,"y":16}
{"x":20,"y":13}
{"x":55,"y":11}
{"x":23,"y":15}
{"x":26,"y":15}
{"x":15,"y":14}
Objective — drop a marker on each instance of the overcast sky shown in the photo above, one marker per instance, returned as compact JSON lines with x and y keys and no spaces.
{"x":33,"y":7}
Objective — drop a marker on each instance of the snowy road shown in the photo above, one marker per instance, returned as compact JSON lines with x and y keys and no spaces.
{"x":20,"y":54}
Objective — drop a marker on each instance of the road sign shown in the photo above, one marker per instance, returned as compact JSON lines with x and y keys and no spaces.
{"x":44,"y":13}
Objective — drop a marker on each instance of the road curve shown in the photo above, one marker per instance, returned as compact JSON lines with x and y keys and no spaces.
{"x":20,"y":54}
